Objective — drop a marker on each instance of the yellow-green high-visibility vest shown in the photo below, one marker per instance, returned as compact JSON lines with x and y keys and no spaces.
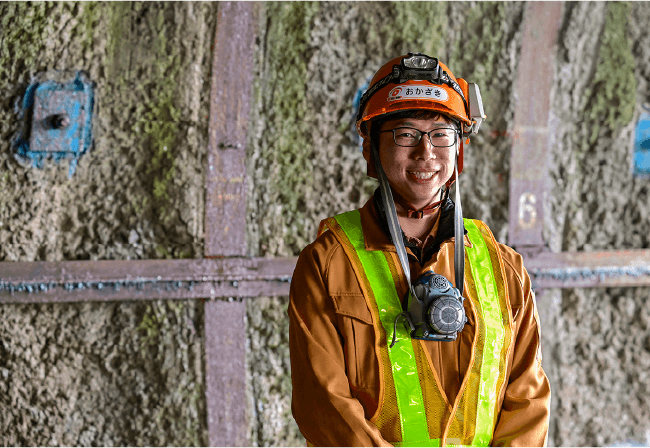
{"x":412,"y":410}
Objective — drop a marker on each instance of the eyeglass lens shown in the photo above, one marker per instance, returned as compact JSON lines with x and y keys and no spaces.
{"x":411,"y":137}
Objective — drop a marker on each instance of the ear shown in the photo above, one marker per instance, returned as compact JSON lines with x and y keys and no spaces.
{"x":367,"y":154}
{"x":452,"y":179}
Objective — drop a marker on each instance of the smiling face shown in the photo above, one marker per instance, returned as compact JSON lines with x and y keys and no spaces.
{"x":417,"y":173}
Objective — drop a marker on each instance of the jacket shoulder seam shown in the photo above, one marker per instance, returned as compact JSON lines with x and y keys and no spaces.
{"x":509,"y":263}
{"x":330,"y":254}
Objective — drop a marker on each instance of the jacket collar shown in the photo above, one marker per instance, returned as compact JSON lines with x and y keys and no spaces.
{"x":377,"y":235}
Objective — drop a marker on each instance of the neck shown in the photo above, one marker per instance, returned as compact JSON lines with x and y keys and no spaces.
{"x":416,"y":227}
{"x":424,"y":208}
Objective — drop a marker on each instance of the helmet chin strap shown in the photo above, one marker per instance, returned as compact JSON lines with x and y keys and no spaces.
{"x":394,"y":227}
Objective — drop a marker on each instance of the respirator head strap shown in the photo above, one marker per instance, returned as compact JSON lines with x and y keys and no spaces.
{"x":391,"y":216}
{"x":459,"y":236}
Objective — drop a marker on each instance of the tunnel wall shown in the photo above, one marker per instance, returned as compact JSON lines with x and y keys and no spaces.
{"x":597,"y":338}
{"x":121,"y":373}
{"x":132,"y":373}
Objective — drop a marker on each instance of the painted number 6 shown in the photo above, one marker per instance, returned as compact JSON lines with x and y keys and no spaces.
{"x":527,"y":212}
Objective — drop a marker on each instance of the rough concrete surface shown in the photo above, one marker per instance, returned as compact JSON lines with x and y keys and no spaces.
{"x":138,"y":193}
{"x":601,"y":368}
{"x":110,"y":374}
{"x":107,"y":373}
{"x":133,"y":373}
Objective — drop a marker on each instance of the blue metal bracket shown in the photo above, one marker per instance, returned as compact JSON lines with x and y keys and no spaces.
{"x":641,"y":162}
{"x":56,"y":115}
{"x":356,"y":102}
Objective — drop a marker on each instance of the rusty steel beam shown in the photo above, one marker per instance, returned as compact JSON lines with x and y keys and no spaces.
{"x":590,"y":269}
{"x":103,"y":280}
{"x":225,"y":218}
{"x":225,"y":376}
{"x":217,"y":269}
{"x":232,"y":78}
{"x":72,"y":281}
{"x":528,"y":169}
{"x":140,"y":290}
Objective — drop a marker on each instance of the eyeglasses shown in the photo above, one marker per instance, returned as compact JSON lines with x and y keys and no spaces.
{"x":440,"y":137}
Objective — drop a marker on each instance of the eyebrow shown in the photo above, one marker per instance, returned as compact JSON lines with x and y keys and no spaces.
{"x":403,"y":124}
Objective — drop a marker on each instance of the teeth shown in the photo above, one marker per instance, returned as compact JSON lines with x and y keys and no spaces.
{"x":428,"y":175}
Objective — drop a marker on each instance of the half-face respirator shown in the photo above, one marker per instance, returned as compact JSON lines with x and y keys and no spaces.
{"x":435,"y":312}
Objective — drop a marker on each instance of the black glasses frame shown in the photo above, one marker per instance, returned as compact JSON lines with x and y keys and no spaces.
{"x":421,"y":133}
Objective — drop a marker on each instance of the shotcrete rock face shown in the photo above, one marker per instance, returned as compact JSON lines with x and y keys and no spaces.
{"x":132,"y":374}
{"x":107,"y":373}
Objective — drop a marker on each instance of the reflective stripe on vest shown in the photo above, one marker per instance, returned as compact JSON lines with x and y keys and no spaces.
{"x":475,"y":411}
{"x":495,"y":333}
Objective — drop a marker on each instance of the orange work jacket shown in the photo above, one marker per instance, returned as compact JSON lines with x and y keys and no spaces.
{"x":335,"y":367}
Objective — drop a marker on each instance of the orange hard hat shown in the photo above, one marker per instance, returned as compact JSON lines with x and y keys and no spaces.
{"x":415,"y":82}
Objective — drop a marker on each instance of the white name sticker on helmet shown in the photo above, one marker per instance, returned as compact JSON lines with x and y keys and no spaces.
{"x":418,"y":92}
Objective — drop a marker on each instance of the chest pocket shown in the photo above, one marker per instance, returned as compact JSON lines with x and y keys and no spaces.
{"x":358,"y":337}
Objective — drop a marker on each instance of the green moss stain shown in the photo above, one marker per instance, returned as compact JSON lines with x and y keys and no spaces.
{"x":89,"y":20}
{"x":23,"y":30}
{"x":146,"y":81}
{"x":289,"y":148}
{"x":608,"y":105}
{"x":150,"y":330}
{"x":160,"y":126}
{"x":159,"y":329}
{"x":475,"y":55}
{"x":417,"y":27}
{"x":161,"y":122}
{"x":611,"y":96}
{"x":119,"y":19}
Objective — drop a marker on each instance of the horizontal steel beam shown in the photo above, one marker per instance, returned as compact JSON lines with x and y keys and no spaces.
{"x":73,"y":281}
{"x":590,"y":269}
{"x":104,"y":280}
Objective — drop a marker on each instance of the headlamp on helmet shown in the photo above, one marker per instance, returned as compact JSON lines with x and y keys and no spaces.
{"x":417,"y":67}
{"x":476,"y":113}
{"x":420,"y":61}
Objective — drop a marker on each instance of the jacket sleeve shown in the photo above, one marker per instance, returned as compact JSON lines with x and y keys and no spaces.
{"x":322,"y":404}
{"x":524,"y":416}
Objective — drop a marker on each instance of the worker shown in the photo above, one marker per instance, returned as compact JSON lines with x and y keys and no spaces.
{"x":409,"y":325}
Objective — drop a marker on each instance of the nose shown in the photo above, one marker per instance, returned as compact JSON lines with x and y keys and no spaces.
{"x":425,"y":150}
